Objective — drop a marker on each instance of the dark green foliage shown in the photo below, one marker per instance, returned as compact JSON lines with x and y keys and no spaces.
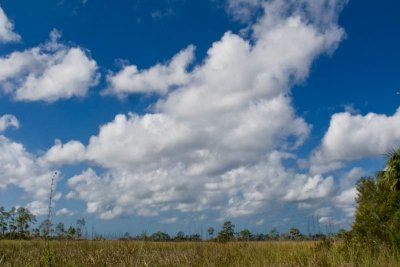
{"x":391,"y":174}
{"x":294,"y":233}
{"x":342,"y":234}
{"x":245,"y":235}
{"x":273,"y":234}
{"x":160,"y":236}
{"x":71,"y":232}
{"x":60,"y":230}
{"x":180,"y":236}
{"x":15,"y":224}
{"x":23,"y":219}
{"x":377,"y":219}
{"x":227,"y":232}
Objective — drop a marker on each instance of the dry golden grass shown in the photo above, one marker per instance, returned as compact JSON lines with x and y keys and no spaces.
{"x":135,"y":253}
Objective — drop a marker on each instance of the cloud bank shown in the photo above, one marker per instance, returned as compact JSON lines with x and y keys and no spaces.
{"x":221,"y":133}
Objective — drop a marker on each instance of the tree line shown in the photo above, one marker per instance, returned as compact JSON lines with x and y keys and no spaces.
{"x":228,"y":234}
{"x":18,"y":223}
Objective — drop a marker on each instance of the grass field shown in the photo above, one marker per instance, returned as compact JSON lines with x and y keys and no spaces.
{"x":135,"y":253}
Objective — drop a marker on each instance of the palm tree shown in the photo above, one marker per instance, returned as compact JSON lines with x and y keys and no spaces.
{"x":391,"y":173}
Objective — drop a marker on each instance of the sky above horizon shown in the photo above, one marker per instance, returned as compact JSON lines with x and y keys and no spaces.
{"x":176,"y":115}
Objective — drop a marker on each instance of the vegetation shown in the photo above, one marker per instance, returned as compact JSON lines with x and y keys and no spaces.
{"x":18,"y":223}
{"x":377,"y":219}
{"x":15,"y":223}
{"x":140,"y":253}
{"x":227,"y":233}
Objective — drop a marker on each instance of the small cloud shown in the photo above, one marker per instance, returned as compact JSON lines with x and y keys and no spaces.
{"x":304,"y":205}
{"x":69,"y":153}
{"x":351,"y":109}
{"x":324,"y":220}
{"x":162,"y":14}
{"x":169,"y":220}
{"x":202,"y":217}
{"x":260,"y":222}
{"x":7,"y":121}
{"x":323,"y":212}
{"x":64,"y":212}
{"x":38,"y":208}
{"x":157,"y":79}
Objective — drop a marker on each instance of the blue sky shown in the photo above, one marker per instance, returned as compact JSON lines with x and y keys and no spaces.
{"x":176,"y":115}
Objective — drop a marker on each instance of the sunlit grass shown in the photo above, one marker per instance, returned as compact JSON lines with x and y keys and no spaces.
{"x":135,"y":253}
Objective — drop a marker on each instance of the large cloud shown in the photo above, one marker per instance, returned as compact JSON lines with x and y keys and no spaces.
{"x":351,"y":137}
{"x":239,"y":191}
{"x":220,"y":139}
{"x":7,"y":33}
{"x":48,"y":73}
{"x":22,"y":169}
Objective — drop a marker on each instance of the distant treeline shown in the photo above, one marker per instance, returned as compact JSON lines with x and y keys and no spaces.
{"x":18,"y":223}
{"x":227,"y":233}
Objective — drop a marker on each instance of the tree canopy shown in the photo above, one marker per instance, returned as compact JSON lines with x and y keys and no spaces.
{"x":377,"y":218}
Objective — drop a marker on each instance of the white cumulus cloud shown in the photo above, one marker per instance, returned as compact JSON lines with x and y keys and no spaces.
{"x":7,"y":33}
{"x":49,"y":72}
{"x":64,"y":212}
{"x":310,"y":188}
{"x":24,"y":170}
{"x":354,"y":136}
{"x":159,"y":78}
{"x":71,"y":152}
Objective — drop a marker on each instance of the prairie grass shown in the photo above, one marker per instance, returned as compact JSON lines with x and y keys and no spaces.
{"x":137,"y":253}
